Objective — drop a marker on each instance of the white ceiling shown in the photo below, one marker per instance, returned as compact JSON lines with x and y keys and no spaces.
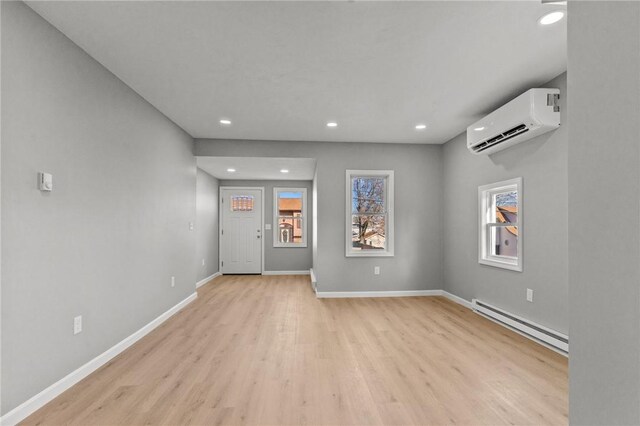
{"x":248,"y":168}
{"x":281,"y":70}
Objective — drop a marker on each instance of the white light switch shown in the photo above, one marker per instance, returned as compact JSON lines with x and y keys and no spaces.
{"x":173,"y":281}
{"x":77,"y":324}
{"x":202,"y":262}
{"x":376,"y":270}
{"x":45,"y":181}
{"x":529,"y":295}
{"x":267,"y":226}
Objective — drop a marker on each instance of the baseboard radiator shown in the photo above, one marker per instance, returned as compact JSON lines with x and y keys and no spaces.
{"x":537,"y":332}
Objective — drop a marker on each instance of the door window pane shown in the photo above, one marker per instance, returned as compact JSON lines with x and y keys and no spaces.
{"x":241,"y":203}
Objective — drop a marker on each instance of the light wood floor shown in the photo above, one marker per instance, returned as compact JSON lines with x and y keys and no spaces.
{"x":264,"y":350}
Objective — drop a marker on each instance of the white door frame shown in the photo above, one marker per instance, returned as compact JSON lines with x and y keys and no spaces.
{"x":221,"y":221}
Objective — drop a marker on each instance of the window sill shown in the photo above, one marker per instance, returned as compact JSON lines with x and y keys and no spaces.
{"x":300,"y":245}
{"x":369,"y":254}
{"x":501,"y":264}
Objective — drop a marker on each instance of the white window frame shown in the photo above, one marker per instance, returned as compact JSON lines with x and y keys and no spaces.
{"x":389,"y":231}
{"x":276,"y":216}
{"x":485,"y":195}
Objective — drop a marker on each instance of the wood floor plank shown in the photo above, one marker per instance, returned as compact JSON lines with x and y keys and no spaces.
{"x":264,"y":350}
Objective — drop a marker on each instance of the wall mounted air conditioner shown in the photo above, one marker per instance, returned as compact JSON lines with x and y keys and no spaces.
{"x":531,"y":114}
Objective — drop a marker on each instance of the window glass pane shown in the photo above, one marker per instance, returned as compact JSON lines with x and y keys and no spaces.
{"x":290,"y":230}
{"x":501,"y":219}
{"x":506,"y":207}
{"x":504,"y":241}
{"x":290,"y":203}
{"x":367,"y":195}
{"x":241,"y":203}
{"x":368,"y":232}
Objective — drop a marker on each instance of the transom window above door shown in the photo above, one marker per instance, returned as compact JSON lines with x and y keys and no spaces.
{"x":290,"y":217}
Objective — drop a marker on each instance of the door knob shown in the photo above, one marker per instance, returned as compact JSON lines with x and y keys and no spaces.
{"x":257,"y":236}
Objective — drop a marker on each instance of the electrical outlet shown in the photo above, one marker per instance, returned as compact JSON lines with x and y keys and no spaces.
{"x":529,"y":295}
{"x":190,"y":226}
{"x":77,"y":324}
{"x":45,"y":181}
{"x":173,"y":281}
{"x":376,"y":270}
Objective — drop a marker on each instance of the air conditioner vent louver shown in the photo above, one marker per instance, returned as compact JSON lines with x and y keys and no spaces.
{"x":493,"y":140}
{"x":529,"y":115}
{"x":516,"y":129}
{"x":511,"y":133}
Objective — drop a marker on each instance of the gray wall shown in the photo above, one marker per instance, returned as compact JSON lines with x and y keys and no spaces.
{"x":281,"y":258}
{"x":418,"y":213}
{"x":604,"y":207}
{"x":105,"y":242}
{"x":206,"y":225}
{"x":542,"y":162}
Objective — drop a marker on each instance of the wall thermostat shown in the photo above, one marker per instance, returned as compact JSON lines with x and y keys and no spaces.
{"x":45,"y":181}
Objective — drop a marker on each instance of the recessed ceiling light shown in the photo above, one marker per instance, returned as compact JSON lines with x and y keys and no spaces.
{"x":231,"y":170}
{"x":225,"y":122}
{"x":477,"y":129}
{"x":284,"y":171}
{"x":551,"y":17}
{"x":332,"y":124}
{"x":421,"y":126}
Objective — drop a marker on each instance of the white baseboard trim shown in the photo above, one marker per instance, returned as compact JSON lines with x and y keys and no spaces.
{"x":206,"y":280}
{"x":314,"y":281}
{"x":407,"y":293}
{"x":31,"y":405}
{"x":402,"y":293}
{"x":459,"y":300}
{"x":286,"y":272}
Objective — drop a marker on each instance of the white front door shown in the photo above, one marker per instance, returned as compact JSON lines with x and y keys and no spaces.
{"x":241,"y":231}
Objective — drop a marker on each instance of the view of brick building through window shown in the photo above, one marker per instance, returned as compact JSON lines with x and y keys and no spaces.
{"x":290,"y":219}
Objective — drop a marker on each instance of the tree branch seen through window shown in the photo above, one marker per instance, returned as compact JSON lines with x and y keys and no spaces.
{"x":368,"y":215}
